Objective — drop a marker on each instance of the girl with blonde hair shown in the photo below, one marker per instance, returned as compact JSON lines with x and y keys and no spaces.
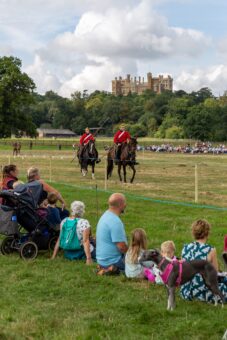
{"x":138,"y":244}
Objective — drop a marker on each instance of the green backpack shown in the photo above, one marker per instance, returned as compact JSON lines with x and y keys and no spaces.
{"x":68,"y":235}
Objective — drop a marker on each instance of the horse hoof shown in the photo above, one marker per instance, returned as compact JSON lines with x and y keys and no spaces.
{"x":93,"y":176}
{"x":84,"y":173}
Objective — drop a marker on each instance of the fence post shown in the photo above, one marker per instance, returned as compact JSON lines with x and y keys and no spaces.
{"x":50,"y":170}
{"x":196,"y":183}
{"x":105,"y":169}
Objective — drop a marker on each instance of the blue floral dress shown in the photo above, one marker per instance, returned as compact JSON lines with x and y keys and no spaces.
{"x":196,"y":288}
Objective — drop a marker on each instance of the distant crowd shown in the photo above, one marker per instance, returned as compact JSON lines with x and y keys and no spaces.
{"x":198,"y":148}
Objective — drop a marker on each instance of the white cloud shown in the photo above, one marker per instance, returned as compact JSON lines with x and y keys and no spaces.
{"x":42,"y":76}
{"x":97,"y":77}
{"x":214,"y":77}
{"x":109,"y":41}
{"x":222,"y":47}
{"x":136,"y":33}
{"x":84,"y":44}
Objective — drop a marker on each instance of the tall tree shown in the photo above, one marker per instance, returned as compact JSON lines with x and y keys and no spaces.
{"x":16,"y":90}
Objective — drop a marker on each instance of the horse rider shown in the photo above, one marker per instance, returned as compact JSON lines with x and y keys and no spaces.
{"x":84,"y":140}
{"x":120,"y":137}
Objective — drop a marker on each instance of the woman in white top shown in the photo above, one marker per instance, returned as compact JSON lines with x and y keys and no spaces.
{"x":83,"y":231}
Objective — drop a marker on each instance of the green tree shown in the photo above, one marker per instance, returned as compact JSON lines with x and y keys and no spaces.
{"x":168,"y":122}
{"x":137,"y":130}
{"x":16,"y":95}
{"x":200,"y":123}
{"x":174,"y":132}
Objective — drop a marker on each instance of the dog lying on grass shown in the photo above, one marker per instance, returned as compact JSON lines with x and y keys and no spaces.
{"x":177,"y":272}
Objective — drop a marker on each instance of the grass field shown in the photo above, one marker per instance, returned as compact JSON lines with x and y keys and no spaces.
{"x":59,"y":299}
{"x":162,"y":176}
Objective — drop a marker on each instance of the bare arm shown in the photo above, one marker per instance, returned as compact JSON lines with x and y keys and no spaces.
{"x":122,"y":246}
{"x":86,"y":244}
{"x":56,"y":248}
{"x":49,"y":188}
{"x":212,"y":258}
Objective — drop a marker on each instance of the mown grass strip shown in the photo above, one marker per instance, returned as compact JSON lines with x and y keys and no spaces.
{"x":154,"y":200}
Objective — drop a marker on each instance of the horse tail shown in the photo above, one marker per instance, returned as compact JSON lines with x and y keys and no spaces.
{"x":110,"y":163}
{"x":110,"y":166}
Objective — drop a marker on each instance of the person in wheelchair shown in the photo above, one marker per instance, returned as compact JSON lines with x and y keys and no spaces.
{"x":24,"y":214}
{"x":33,"y":174}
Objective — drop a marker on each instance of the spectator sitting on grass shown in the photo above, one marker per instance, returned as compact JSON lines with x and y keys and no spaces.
{"x":33,"y":174}
{"x":53,"y":215}
{"x":134,"y":269}
{"x":9,"y":176}
{"x":75,"y":236}
{"x":199,"y":249}
{"x":111,"y":242}
{"x":168,"y":251}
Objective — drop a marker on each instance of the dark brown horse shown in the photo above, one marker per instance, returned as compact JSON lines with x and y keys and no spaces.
{"x":88,"y":155}
{"x":127,"y":157}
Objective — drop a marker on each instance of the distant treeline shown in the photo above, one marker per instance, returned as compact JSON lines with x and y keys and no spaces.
{"x":196,"y":115}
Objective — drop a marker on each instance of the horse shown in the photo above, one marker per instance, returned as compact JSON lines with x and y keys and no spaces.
{"x":16,"y":148}
{"x":127,"y":157}
{"x":88,"y":155}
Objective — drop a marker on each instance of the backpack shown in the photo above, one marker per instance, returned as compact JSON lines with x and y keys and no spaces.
{"x":68,"y":236}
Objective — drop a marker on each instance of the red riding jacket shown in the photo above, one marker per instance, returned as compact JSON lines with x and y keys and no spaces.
{"x":85,"y":138}
{"x":121,"y":136}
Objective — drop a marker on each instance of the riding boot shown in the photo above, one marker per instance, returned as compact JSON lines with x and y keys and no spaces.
{"x":117,"y":154}
{"x":79,"y":152}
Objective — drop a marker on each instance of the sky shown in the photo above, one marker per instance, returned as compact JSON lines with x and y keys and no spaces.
{"x":76,"y":45}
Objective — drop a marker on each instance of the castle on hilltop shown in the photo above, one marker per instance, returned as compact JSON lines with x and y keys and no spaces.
{"x":129,"y":85}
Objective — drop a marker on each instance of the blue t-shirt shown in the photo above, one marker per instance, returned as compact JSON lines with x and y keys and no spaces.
{"x":53,"y":216}
{"x":110,"y":230}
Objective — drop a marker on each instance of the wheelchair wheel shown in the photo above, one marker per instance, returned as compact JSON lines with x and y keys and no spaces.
{"x":28,"y":251}
{"x":6,"y":245}
{"x":52,"y":243}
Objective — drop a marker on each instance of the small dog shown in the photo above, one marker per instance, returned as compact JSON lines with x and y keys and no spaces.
{"x":181,"y":272}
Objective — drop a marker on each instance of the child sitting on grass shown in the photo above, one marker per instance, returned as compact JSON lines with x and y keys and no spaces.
{"x":53,"y":215}
{"x":133,"y":268}
{"x":168,"y":251}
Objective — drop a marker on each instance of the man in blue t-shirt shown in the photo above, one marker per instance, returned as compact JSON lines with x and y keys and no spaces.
{"x":111,"y":242}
